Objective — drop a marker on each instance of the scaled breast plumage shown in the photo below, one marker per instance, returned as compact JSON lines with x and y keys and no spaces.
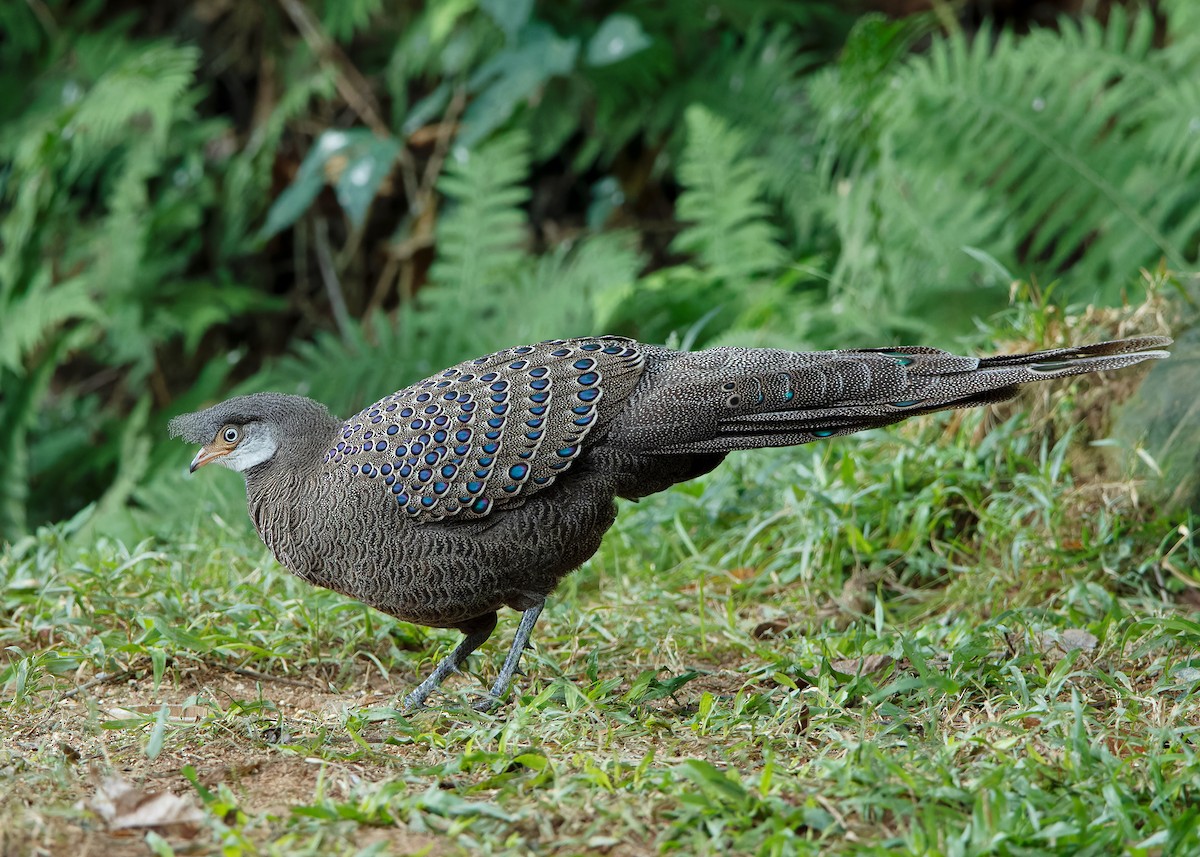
{"x":486,"y":432}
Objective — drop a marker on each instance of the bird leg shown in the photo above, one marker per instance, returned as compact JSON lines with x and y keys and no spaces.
{"x":475,"y":633}
{"x":513,"y":660}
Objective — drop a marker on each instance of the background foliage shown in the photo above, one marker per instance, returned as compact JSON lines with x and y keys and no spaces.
{"x":338,"y":197}
{"x":972,"y":634}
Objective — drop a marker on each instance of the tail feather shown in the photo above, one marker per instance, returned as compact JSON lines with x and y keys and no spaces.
{"x":757,"y":398}
{"x":1140,"y":347}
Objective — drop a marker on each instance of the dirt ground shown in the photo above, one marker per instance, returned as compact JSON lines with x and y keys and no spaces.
{"x":242,"y":752}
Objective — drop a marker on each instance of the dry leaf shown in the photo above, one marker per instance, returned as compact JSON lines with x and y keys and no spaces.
{"x":175,"y":713}
{"x":770,"y":628}
{"x":861,"y":666}
{"x":722,"y":581}
{"x":1071,"y":638}
{"x":1186,"y":674}
{"x":1077,"y":638}
{"x":803,"y":719}
{"x":123,"y":805}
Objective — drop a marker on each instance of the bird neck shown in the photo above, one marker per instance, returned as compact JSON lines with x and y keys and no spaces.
{"x":298,"y":459}
{"x":290,"y":501}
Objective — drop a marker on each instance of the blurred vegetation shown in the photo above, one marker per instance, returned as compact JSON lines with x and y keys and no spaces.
{"x":337,"y":197}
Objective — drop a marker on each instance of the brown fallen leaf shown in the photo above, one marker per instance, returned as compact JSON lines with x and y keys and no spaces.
{"x":175,"y":713}
{"x":770,"y":628}
{"x":123,"y":805}
{"x":1077,"y":638}
{"x":1066,"y":640}
{"x":722,"y":581}
{"x":803,"y":719}
{"x":861,"y":666}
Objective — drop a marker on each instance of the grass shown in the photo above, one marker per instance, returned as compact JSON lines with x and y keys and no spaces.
{"x":931,"y":640}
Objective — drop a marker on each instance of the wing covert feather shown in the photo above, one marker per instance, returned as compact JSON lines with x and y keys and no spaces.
{"x":488,"y":432}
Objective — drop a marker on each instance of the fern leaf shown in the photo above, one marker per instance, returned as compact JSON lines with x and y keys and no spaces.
{"x":148,"y":82}
{"x":479,"y":238}
{"x":20,"y":402}
{"x":31,"y":318}
{"x":345,"y":18}
{"x":1059,"y":154}
{"x":731,"y":232}
{"x":1054,"y":124}
{"x":560,"y":295}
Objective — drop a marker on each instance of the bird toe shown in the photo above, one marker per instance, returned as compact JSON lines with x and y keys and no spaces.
{"x":489,"y":702}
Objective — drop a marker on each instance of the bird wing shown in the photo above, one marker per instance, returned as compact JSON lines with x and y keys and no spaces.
{"x":487,"y":432}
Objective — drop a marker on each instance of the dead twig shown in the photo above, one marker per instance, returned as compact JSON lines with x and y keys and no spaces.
{"x":421,"y":207}
{"x":103,"y":678}
{"x":351,"y":85}
{"x":278,"y":679}
{"x":329,"y":276}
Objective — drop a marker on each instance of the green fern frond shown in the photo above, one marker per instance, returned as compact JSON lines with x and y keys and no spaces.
{"x":1057,"y":154}
{"x":1175,"y":110}
{"x":758,"y":85}
{"x":847,"y":96}
{"x":561,"y":294}
{"x":731,"y":231}
{"x":905,"y":263}
{"x":479,"y":238}
{"x":1171,"y":111}
{"x":344,"y":18}
{"x":759,"y":88}
{"x":1054,"y":123}
{"x":30,"y":319}
{"x":147,"y":82}
{"x":21,"y":398}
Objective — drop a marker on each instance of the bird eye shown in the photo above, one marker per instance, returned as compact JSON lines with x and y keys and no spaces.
{"x":230,"y":434}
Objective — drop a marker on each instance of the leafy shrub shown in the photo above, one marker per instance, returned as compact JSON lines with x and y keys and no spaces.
{"x":373,"y":190}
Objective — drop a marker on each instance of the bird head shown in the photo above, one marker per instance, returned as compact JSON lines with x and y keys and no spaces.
{"x":247,"y":431}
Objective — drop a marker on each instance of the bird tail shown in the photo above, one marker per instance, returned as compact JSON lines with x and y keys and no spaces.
{"x":749,"y":398}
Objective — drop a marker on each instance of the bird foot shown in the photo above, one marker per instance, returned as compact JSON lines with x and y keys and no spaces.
{"x":414,"y":702}
{"x":489,"y":702}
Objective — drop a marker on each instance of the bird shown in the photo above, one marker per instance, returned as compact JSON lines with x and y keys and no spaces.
{"x":484,"y":485}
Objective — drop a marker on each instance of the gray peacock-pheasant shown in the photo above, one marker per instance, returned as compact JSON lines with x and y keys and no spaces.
{"x":483,"y":486}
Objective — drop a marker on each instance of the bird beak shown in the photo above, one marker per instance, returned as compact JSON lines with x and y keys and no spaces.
{"x":204,"y":456}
